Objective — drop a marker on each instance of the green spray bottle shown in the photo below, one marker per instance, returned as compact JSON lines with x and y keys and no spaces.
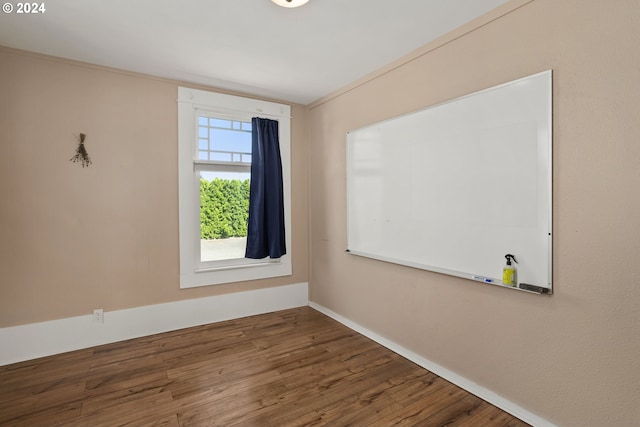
{"x":509,"y":272}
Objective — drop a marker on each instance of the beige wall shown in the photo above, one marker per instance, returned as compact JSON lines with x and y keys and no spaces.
{"x":572,"y":358}
{"x":106,"y":236}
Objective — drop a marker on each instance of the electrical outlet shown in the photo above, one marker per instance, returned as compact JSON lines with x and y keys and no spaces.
{"x":98,"y":315}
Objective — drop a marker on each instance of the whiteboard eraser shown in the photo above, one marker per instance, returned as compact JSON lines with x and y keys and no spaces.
{"x":533,"y":288}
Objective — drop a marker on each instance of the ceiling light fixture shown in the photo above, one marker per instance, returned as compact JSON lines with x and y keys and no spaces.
{"x":290,"y":3}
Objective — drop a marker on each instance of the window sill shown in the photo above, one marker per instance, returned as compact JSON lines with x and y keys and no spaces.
{"x":258,"y":263}
{"x":207,"y":276}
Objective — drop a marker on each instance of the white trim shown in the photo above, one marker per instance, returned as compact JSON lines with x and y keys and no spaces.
{"x":26,"y":342}
{"x":445,"y":373}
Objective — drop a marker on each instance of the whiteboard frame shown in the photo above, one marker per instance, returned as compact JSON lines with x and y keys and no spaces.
{"x":548,"y":178}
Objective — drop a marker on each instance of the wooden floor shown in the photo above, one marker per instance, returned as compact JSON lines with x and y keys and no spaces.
{"x":289,"y":368}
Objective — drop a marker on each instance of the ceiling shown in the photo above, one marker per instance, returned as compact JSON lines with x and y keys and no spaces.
{"x":251,"y":46}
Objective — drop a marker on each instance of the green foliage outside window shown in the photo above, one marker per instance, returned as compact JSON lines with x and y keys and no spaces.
{"x":224,"y":208}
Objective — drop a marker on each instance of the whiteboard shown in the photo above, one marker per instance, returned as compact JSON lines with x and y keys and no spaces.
{"x":454,"y":187}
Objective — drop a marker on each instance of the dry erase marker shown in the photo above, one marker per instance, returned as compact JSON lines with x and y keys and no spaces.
{"x":482,"y":279}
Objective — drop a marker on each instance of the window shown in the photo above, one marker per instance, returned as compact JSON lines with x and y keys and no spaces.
{"x":214,"y":168}
{"x":224,"y":165}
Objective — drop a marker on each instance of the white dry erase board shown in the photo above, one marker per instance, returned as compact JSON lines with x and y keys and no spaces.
{"x":455,"y":187}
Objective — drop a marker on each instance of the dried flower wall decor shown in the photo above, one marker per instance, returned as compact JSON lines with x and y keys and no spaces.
{"x":81,"y":153}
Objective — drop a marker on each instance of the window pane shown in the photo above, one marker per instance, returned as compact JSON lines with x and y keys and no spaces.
{"x":225,"y":140}
{"x":226,"y":124}
{"x":231,"y":140}
{"x":221,"y":157}
{"x":224,"y":210}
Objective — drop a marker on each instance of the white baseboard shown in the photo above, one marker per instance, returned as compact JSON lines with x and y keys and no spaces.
{"x":26,"y":342}
{"x":470,"y":386}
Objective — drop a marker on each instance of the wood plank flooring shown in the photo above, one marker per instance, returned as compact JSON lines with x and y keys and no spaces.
{"x":290,"y":368}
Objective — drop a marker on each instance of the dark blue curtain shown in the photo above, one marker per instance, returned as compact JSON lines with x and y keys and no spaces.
{"x":265,"y":231}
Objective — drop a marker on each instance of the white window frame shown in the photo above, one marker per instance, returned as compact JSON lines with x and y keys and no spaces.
{"x":193,"y":272}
